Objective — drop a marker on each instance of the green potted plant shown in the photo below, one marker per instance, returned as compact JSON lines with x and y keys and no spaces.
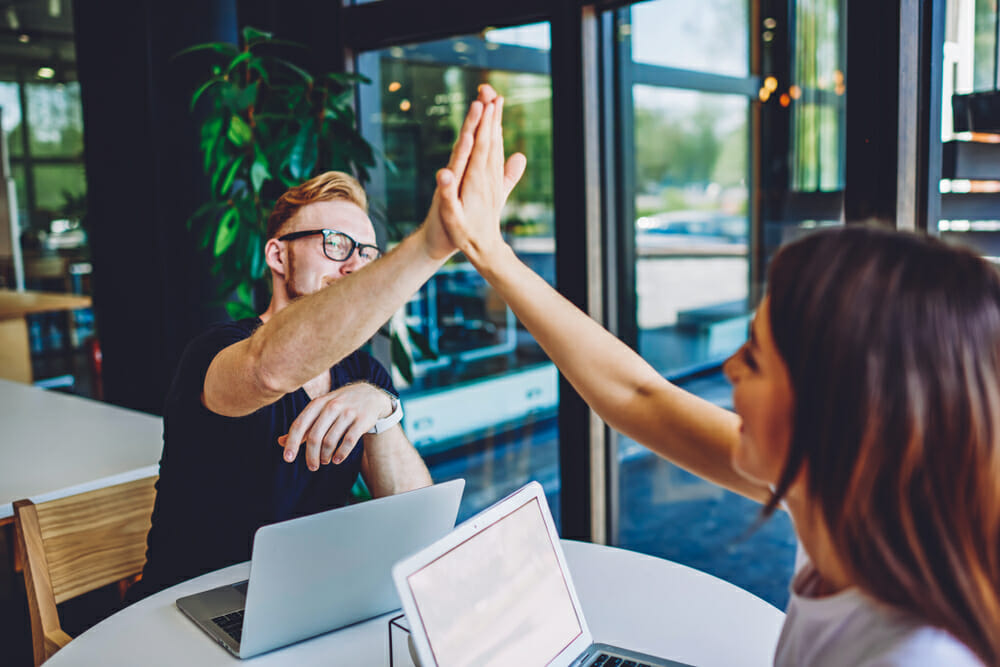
{"x":267,"y":124}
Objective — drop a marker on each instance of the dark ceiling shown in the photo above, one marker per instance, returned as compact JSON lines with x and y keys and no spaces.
{"x":36,"y":33}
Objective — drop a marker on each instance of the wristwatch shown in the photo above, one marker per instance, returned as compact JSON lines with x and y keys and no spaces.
{"x":388,"y":422}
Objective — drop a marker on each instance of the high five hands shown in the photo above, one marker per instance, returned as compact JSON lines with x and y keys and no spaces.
{"x":472,"y":189}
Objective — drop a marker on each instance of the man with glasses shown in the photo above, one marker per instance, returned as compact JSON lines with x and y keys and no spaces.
{"x":249,"y":395}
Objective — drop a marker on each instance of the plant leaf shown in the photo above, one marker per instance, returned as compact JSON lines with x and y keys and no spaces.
{"x":211,"y":132}
{"x":202,"y":89}
{"x":258,"y":67}
{"x":400,"y":358}
{"x":239,"y":132}
{"x":235,"y":62}
{"x":259,"y":172}
{"x":422,"y":343}
{"x":219,"y":47}
{"x":227,"y":182}
{"x":256,"y":251}
{"x":252,"y":35}
{"x":221,"y":165}
{"x":226,"y":234}
{"x":248,"y":97}
{"x":347,"y":77}
{"x":244,"y":292}
{"x":304,"y":152}
{"x":238,"y":310}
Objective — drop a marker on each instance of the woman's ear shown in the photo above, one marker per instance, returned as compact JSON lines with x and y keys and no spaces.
{"x":274,"y":255}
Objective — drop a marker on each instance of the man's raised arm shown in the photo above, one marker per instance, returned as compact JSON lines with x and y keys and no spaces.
{"x":314,"y":332}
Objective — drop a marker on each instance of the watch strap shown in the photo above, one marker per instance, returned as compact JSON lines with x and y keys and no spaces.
{"x":386,"y":423}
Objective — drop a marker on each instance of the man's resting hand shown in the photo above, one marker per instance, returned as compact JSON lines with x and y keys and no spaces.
{"x":332,"y":424}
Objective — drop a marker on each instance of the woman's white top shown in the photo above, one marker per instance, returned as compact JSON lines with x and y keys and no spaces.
{"x":850,"y":628}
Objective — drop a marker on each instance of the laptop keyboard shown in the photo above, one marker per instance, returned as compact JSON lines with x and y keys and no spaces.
{"x":605,"y":660}
{"x":232,"y":624}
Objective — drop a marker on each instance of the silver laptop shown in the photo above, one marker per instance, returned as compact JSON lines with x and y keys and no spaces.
{"x":324,"y":571}
{"x":496,"y":591}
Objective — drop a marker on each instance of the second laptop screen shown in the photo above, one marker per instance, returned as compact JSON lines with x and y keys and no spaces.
{"x":498,"y":598}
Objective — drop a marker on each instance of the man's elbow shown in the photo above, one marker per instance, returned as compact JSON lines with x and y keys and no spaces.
{"x":269,"y":376}
{"x":267,"y":382}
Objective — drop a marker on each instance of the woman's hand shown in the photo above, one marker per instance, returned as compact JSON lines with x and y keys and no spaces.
{"x":470,"y":204}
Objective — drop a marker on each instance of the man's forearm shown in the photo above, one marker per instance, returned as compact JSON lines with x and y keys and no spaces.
{"x":315,"y":332}
{"x":392,"y":465}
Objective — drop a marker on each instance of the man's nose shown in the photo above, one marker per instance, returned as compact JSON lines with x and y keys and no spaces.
{"x":351,"y":264}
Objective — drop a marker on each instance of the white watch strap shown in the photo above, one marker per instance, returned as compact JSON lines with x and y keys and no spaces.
{"x":388,"y":422}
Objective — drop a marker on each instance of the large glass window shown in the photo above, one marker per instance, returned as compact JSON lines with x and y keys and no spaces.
{"x":48,"y":166}
{"x":56,"y":120}
{"x":700,"y":207}
{"x":481,"y":397}
{"x":43,"y":135}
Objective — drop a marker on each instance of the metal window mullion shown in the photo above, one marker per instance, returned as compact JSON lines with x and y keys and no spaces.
{"x":704,"y":82}
{"x":573,"y":141}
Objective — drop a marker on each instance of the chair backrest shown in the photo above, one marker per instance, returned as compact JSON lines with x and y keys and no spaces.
{"x":77,"y":544}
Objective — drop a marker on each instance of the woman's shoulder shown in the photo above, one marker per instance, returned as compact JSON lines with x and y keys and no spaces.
{"x":926,"y":645}
{"x":851,"y":628}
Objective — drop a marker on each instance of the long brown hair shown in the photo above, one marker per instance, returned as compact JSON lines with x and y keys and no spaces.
{"x":892,"y":343}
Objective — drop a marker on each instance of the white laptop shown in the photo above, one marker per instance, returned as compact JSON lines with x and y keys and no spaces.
{"x":324,"y":571}
{"x":496,"y":591}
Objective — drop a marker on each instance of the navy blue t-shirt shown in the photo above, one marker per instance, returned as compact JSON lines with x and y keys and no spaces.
{"x":221,"y":478}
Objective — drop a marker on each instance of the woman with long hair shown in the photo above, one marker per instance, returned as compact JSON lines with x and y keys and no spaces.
{"x":867,"y":401}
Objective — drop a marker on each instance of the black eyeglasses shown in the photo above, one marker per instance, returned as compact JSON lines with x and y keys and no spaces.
{"x":338,"y":246}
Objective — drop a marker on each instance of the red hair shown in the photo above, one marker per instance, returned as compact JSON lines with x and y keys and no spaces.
{"x":327,"y":186}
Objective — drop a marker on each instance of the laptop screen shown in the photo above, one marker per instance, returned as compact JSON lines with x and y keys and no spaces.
{"x":498,"y":598}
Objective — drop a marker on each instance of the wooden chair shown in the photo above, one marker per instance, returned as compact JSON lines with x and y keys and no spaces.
{"x":74,"y":545}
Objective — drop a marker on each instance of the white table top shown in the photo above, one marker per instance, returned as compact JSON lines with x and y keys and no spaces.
{"x":54,"y":445}
{"x":640,"y":602}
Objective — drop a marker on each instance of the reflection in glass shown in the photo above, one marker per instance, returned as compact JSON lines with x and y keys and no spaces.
{"x":10,"y":104}
{"x":817,"y":97}
{"x":985,"y":74}
{"x":692,"y":226}
{"x":55,"y":185}
{"x":482,"y":399}
{"x":56,"y":119}
{"x":21,"y":189}
{"x":705,"y":36}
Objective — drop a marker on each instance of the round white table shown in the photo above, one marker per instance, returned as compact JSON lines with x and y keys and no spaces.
{"x":643,"y":603}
